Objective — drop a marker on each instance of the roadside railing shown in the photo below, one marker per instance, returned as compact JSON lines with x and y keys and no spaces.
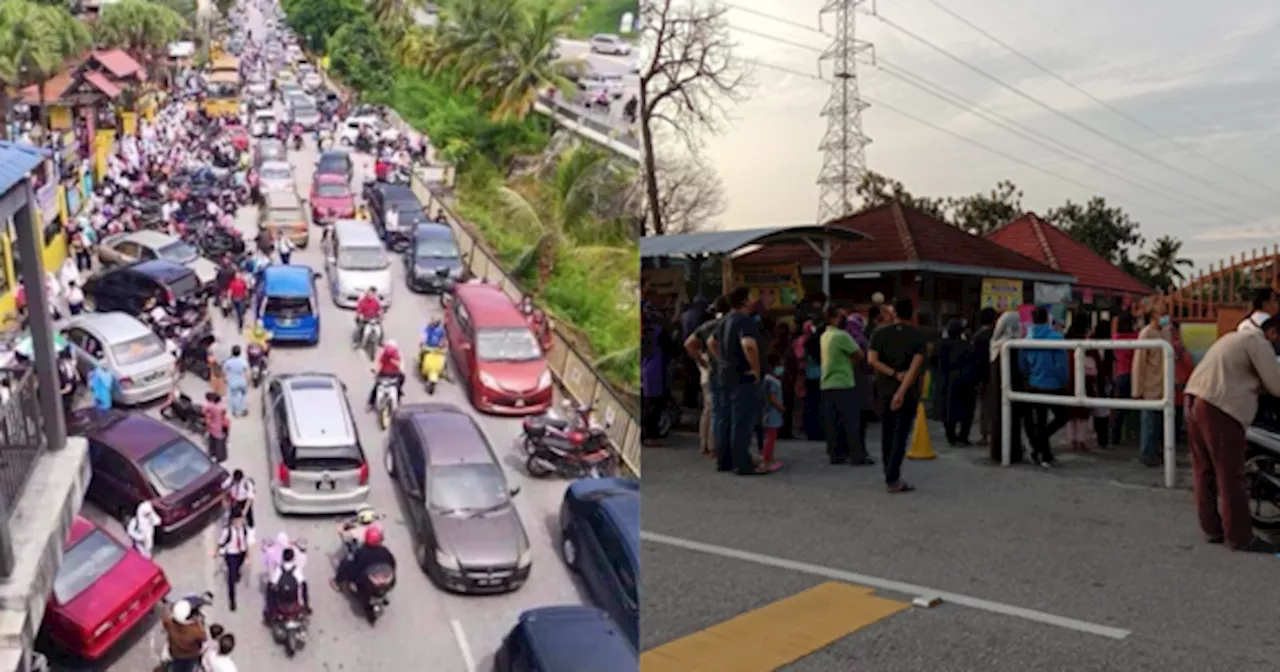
{"x":22,"y":441}
{"x":586,"y":125}
{"x":572,"y":371}
{"x":1080,"y":399}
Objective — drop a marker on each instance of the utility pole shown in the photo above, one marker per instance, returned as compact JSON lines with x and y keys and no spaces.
{"x":844,"y":159}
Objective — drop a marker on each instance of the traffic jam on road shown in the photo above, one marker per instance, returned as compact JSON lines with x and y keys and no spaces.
{"x":267,"y":381}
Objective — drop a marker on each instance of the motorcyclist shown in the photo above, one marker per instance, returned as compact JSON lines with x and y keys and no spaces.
{"x":286,"y":587}
{"x":353,"y":570}
{"x":368,"y":309}
{"x":434,"y":336}
{"x":186,"y":637}
{"x":353,"y":531}
{"x":388,"y":365}
{"x":258,"y":335}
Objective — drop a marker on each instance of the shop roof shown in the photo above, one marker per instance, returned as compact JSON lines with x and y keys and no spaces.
{"x":726,"y":242}
{"x":100,"y":81}
{"x":119,"y":63}
{"x":1033,"y":237}
{"x":16,"y":162}
{"x":53,"y":89}
{"x":904,"y":238}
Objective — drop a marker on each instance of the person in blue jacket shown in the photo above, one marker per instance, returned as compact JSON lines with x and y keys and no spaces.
{"x":1046,"y":373}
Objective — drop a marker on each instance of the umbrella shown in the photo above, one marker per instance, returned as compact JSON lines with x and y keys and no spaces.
{"x":26,"y":345}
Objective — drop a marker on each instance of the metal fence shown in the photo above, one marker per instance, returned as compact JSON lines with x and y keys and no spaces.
{"x":571,"y":369}
{"x":22,"y":437}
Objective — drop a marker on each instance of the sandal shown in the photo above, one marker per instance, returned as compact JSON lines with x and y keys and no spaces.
{"x":773,"y":466}
{"x":900,"y":487}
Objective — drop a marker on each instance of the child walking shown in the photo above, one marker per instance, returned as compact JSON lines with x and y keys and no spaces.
{"x":773,"y":410}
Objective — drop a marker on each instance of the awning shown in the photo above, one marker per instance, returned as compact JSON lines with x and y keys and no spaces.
{"x":728,"y":242}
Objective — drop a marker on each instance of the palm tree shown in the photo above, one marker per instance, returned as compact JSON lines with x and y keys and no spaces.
{"x":1162,"y":262}
{"x":144,"y":29}
{"x":36,"y":41}
{"x":416,"y":46}
{"x":512,"y":78}
{"x":472,"y":31}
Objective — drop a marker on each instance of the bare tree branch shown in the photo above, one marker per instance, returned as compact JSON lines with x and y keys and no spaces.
{"x":690,"y":194}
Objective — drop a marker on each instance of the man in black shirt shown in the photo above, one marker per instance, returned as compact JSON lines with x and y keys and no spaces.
{"x":735,"y":346}
{"x":897,"y":355}
{"x":981,"y":357}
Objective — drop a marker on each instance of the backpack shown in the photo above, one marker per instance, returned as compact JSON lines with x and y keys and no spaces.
{"x":286,"y":588}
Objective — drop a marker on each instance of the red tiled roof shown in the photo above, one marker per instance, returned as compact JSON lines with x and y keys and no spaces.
{"x":1033,"y":237}
{"x":103,"y":84}
{"x":53,"y":89}
{"x":903,"y":234}
{"x":120,"y":64}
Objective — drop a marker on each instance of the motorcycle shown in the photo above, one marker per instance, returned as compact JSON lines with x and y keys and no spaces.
{"x":1262,"y":465}
{"x":568,"y":447}
{"x":289,"y":628}
{"x":297,"y":137}
{"x":431,"y":364}
{"x":385,"y":399}
{"x":555,"y":424}
{"x":369,"y":337}
{"x":257,"y":364}
{"x":381,"y":579}
{"x":184,"y":412}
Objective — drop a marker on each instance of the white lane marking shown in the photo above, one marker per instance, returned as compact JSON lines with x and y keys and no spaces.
{"x":459,"y":634}
{"x":890,"y":585}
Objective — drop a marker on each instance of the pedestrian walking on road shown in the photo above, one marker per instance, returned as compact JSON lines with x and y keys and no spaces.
{"x":1223,"y":398}
{"x":216,"y":423}
{"x":236,"y":370}
{"x":240,"y":489}
{"x":142,"y":529}
{"x":284,"y":247}
{"x":898,"y":357}
{"x":238,"y":292}
{"x":234,"y":544}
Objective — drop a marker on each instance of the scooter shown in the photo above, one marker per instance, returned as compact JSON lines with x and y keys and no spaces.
{"x":386,"y":398}
{"x":184,"y":412}
{"x":289,"y":628}
{"x":381,"y":579}
{"x":553,"y":426}
{"x":583,"y":454}
{"x":369,"y":337}
{"x":257,"y":364}
{"x":431,"y":364}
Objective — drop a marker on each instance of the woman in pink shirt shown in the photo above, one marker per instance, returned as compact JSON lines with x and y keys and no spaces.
{"x":1122,"y":373}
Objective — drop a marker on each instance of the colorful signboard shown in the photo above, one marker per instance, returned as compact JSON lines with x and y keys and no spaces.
{"x":47,"y":202}
{"x":776,"y":287}
{"x":1001,"y":294}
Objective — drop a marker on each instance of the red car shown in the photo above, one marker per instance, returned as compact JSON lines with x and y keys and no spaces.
{"x":332,"y":194}
{"x":496,"y":352}
{"x":102,"y":591}
{"x":239,"y":137}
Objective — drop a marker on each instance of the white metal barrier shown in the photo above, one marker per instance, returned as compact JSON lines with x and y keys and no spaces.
{"x":1079,"y":399}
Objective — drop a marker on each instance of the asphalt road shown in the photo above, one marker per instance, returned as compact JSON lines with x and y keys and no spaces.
{"x":1063,"y":544}
{"x":424,"y":628}
{"x":603,"y":64}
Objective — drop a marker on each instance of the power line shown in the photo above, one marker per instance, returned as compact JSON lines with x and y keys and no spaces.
{"x":1040,"y":103}
{"x":1036,"y":64}
{"x":775,"y":17}
{"x":775,"y":38}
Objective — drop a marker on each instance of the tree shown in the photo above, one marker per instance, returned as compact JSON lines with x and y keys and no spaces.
{"x":187,"y":9}
{"x":691,"y":73}
{"x":983,"y":213}
{"x":315,"y":20}
{"x":690,"y":194}
{"x":416,"y":46}
{"x":144,"y":29}
{"x":1106,"y":230}
{"x":36,"y":41}
{"x":358,"y":53}
{"x":1162,"y":263}
{"x":876,"y":189}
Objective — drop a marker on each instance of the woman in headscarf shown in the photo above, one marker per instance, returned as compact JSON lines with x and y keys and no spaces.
{"x":142,"y":529}
{"x":856,"y":325}
{"x":956,"y":377}
{"x":1008,"y":328}
{"x":809,"y":355}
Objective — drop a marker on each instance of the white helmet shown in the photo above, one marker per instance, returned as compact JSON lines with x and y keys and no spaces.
{"x":390,"y":344}
{"x":181,"y":612}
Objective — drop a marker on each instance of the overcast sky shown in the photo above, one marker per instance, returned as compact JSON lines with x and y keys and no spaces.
{"x":1208,"y":78}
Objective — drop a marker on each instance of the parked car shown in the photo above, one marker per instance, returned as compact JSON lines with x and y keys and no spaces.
{"x":565,"y":639}
{"x":331,"y":193}
{"x":336,"y":162}
{"x":270,"y":149}
{"x":103,"y":591}
{"x":468,"y":536}
{"x":143,"y":368}
{"x":313,"y":448}
{"x":128,"y":288}
{"x":379,"y":196}
{"x":600,"y":541}
{"x":137,"y":458}
{"x":276,"y":176}
{"x":145,"y":245}
{"x":354,"y":261}
{"x":495,"y":352}
{"x":605,"y":43}
{"x":432,"y":249}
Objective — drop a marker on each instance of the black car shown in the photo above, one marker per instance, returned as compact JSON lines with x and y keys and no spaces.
{"x":336,"y":162}
{"x":432,"y":259}
{"x":128,"y":288}
{"x":378,"y":196}
{"x":564,"y":639}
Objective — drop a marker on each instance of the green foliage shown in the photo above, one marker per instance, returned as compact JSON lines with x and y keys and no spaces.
{"x":315,"y":21}
{"x":139,"y":27}
{"x":36,"y":40}
{"x":603,"y":16}
{"x":358,"y":53}
{"x":184,"y":8}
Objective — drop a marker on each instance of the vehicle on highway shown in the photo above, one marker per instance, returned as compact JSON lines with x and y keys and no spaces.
{"x":259,"y":94}
{"x":127,"y":288}
{"x":349,"y":130}
{"x":284,"y":77}
{"x":238,"y":136}
{"x":379,"y":196}
{"x":270,"y":149}
{"x":356,"y":260}
{"x":277,"y":176}
{"x":554,"y":639}
{"x":336,"y":162}
{"x":331,"y":196}
{"x":282,"y":214}
{"x":600,"y":541}
{"x":289,"y":90}
{"x":313,"y":448}
{"x":495,"y":352}
{"x":102,"y":592}
{"x":593,"y":84}
{"x":134,"y":246}
{"x":432,"y":260}
{"x":287,"y":303}
{"x":305,"y":113}
{"x":606,"y":43}
{"x":136,"y":458}
{"x":468,"y":536}
{"x":265,"y":123}
{"x":143,"y":368}
{"x":311,"y":81}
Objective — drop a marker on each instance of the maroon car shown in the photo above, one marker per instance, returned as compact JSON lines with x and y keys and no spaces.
{"x":137,"y":458}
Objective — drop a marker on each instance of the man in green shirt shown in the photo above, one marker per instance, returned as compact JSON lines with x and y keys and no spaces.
{"x":841,"y":410}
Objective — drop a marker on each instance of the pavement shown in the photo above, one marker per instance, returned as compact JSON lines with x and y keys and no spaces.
{"x":612,"y":118}
{"x":426,"y":628}
{"x":1090,"y":566}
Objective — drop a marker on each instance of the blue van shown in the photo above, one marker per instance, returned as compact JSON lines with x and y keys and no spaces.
{"x":286,"y":302}
{"x":566,"y":639}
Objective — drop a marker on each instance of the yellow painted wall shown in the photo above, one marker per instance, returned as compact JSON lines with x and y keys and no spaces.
{"x":54,"y":253}
{"x":59,"y":118}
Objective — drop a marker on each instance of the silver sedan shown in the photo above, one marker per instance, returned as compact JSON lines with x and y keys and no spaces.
{"x":143,"y":368}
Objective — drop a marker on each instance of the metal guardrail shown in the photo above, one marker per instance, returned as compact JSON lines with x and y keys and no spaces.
{"x":22,"y":437}
{"x":588,"y":126}
{"x":572,"y":371}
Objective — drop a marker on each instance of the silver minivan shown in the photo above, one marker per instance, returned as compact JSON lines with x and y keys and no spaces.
{"x":313,"y":448}
{"x":356,"y":259}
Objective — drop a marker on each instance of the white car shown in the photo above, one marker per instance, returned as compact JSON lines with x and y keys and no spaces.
{"x":312,"y":82}
{"x":609,"y":44}
{"x":350,"y":129}
{"x":595,"y":83}
{"x":265,"y":124}
{"x":277,"y":176}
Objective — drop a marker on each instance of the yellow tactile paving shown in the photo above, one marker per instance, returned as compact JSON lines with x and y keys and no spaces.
{"x":776,"y":634}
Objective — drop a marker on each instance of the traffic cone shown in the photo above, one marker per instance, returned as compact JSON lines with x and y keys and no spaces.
{"x":921,"y":448}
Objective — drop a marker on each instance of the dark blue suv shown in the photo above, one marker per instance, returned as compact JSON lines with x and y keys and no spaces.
{"x":566,"y":639}
{"x":600,"y":540}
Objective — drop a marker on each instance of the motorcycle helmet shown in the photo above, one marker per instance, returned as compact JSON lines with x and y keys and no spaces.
{"x":367,"y":515}
{"x":373,"y":535}
{"x":181,"y":612}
